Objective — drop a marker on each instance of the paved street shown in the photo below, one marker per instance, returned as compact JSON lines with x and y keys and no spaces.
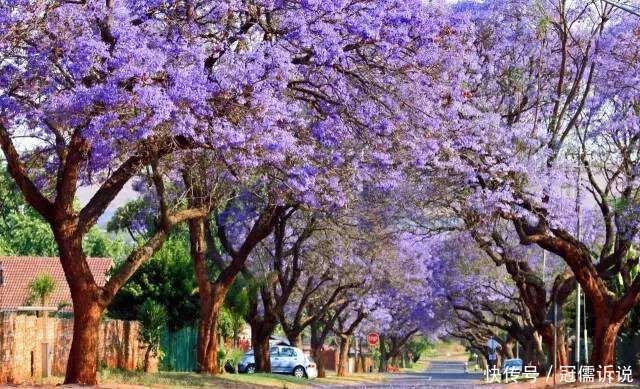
{"x":441,"y":374}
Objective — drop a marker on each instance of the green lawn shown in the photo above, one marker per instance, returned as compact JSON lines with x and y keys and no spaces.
{"x":193,"y":380}
{"x":417,"y":367}
{"x":447,"y":350}
{"x":352,"y":379}
{"x":122,"y":379}
{"x":277,"y":380}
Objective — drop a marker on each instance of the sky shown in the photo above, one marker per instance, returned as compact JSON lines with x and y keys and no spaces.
{"x":126,"y":194}
{"x":85,"y":193}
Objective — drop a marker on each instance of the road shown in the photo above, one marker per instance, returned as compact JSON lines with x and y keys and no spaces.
{"x":440,"y":374}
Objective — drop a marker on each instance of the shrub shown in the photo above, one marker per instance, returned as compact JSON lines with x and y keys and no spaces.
{"x":234,"y":357}
{"x":153,"y":317}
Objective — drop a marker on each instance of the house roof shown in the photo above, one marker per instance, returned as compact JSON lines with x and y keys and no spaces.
{"x":18,"y":272}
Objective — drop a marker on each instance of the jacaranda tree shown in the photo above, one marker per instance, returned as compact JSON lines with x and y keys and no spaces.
{"x":321,"y":95}
{"x":93,"y":91}
{"x":552,"y":118}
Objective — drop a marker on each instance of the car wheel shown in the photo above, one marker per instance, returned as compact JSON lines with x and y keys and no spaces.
{"x":251,"y":369}
{"x":229,"y":368}
{"x":298,"y":372}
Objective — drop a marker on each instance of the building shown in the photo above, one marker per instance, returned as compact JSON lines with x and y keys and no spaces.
{"x":16,"y":273}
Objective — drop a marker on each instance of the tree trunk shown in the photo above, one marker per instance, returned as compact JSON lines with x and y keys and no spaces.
{"x":360,"y":359}
{"x":317,"y":354}
{"x":211,"y":300}
{"x":507,"y":349}
{"x":147,"y":356}
{"x":260,"y":343}
{"x":89,"y":300}
{"x":207,"y":346}
{"x":384,"y":364}
{"x":262,"y":326}
{"x":87,"y":309}
{"x":316,"y":348}
{"x":294,"y":337}
{"x":563,"y":352}
{"x":343,"y":361}
{"x":384,"y":356}
{"x":204,"y":337}
{"x":563,"y":346}
{"x":218,"y":289}
{"x":534,"y":295}
{"x":604,"y":342}
{"x":69,"y":227}
{"x":83,"y":358}
{"x":532,"y":353}
{"x":483,"y":361}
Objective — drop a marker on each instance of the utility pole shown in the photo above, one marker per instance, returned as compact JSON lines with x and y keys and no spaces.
{"x":555,"y":338}
{"x":544,"y":282}
{"x":578,"y":327}
{"x":586,"y":339}
{"x":579,"y":289}
{"x":544,"y":267}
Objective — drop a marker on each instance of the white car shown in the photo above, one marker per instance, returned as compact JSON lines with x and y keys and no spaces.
{"x":284,"y":359}
{"x":511,"y":367}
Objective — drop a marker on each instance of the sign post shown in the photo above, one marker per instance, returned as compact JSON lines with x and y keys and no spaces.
{"x":373,"y":338}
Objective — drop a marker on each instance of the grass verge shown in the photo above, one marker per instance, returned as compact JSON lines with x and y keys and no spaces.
{"x":123,"y":379}
{"x":447,"y":350}
{"x":109,"y":378}
{"x":352,"y":379}
{"x":418,"y":367}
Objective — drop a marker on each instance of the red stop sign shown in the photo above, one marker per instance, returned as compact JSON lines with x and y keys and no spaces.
{"x":373,"y":338}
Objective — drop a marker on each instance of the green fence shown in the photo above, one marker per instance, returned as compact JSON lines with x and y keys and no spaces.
{"x":628,"y":352}
{"x":179,"y":349}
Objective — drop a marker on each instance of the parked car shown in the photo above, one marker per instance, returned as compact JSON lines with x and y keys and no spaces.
{"x":284,"y":359}
{"x":512,"y":367}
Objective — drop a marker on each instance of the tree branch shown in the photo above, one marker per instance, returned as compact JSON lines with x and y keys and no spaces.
{"x":19,"y":174}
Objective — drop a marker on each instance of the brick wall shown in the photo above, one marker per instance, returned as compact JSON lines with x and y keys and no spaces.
{"x":23,"y":339}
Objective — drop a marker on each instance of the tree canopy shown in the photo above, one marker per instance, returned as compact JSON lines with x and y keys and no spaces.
{"x":328,"y":167}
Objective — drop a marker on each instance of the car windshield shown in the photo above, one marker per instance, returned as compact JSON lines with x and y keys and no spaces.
{"x":250,"y":352}
{"x":288,"y":352}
